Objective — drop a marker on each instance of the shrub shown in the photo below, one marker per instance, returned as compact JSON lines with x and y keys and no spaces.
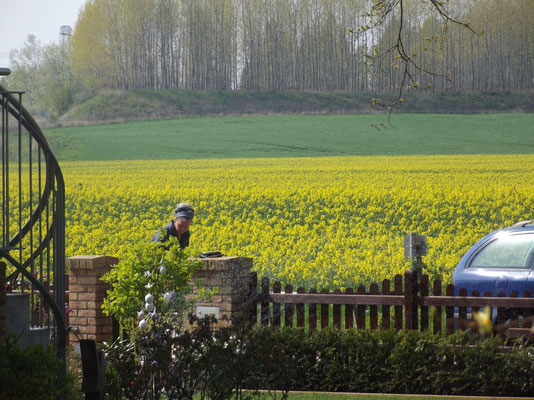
{"x":215,"y":363}
{"x":389,"y":362}
{"x":29,"y":374}
{"x":199,"y":362}
{"x":153,"y":278}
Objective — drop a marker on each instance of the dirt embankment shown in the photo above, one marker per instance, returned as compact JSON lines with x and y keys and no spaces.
{"x":134,"y":105}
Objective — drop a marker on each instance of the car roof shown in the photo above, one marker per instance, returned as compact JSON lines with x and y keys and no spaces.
{"x":520,"y":227}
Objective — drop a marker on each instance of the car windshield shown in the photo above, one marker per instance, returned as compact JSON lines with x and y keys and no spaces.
{"x":512,"y":251}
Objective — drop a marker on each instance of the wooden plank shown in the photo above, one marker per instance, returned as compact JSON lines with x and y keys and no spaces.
{"x":462,"y":312}
{"x":437,"y":314}
{"x":528,"y":313}
{"x":337,"y":312}
{"x":449,"y":310}
{"x":300,"y":310}
{"x":520,"y":332}
{"x":373,"y":310}
{"x":312,"y":318}
{"x":288,"y":308}
{"x":501,"y":318}
{"x":325,"y":312}
{"x":277,"y":310}
{"x":424,"y":309}
{"x":264,"y":307}
{"x":514,"y":312}
{"x":386,"y":310}
{"x":349,"y":310}
{"x":360,"y":310}
{"x":409,"y":302}
{"x":488,"y":294}
{"x":328,"y":298}
{"x":253,"y":295}
{"x":457,"y":301}
{"x":474,"y":310}
{"x":398,"y":308}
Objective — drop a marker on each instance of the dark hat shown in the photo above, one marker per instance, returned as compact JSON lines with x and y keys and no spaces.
{"x":184,"y":211}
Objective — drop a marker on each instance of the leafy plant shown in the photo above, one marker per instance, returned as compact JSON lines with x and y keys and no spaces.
{"x":153,"y":278}
{"x":31,"y":373}
{"x":196,"y":363}
{"x":121,"y":368}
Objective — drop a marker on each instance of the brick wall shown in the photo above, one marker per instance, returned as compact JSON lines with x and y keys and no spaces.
{"x":231,"y":275}
{"x":86,"y":296}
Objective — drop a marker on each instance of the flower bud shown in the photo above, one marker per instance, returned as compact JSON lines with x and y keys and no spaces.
{"x":167,"y":297}
{"x":140,"y":315}
{"x":149,"y":307}
{"x":149,"y":298}
{"x":143,"y":324}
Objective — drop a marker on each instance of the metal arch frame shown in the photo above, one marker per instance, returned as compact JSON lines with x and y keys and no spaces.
{"x":53,"y":184}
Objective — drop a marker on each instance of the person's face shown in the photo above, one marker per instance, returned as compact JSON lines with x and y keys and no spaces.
{"x":182,"y":225}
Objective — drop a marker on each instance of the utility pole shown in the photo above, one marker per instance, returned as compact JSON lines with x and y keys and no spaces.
{"x":414,"y":249}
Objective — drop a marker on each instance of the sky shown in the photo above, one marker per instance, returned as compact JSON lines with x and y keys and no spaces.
{"x":42,"y":18}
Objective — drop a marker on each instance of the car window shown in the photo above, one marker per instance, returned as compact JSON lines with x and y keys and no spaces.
{"x":513,"y":251}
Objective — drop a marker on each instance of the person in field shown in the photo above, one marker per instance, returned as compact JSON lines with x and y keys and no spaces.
{"x":178,"y":227}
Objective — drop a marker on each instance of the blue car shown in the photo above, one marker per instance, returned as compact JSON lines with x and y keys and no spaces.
{"x":502,"y":261}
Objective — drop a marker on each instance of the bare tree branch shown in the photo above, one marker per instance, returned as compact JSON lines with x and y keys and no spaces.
{"x":380,"y":12}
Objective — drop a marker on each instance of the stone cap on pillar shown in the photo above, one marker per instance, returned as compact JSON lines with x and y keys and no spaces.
{"x":223,"y":263}
{"x":91,"y":262}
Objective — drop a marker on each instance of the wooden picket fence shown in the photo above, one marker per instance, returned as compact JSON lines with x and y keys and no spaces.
{"x":410,"y":303}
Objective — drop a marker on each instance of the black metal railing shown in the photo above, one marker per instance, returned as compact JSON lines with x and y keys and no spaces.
{"x":33,"y":217}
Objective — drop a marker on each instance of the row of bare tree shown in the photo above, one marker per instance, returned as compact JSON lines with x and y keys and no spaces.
{"x":304,"y":45}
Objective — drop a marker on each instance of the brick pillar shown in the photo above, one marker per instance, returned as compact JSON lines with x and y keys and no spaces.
{"x":2,"y":304}
{"x":86,"y":295}
{"x":232,"y":277}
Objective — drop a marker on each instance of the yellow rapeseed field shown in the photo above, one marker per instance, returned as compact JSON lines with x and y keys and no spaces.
{"x":312,"y":222}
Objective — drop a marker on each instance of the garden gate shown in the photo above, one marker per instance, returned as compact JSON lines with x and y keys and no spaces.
{"x":33,"y":217}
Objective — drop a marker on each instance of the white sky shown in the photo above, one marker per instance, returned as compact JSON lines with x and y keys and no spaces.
{"x":42,"y":18}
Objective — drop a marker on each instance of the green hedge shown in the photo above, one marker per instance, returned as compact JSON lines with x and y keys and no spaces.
{"x":214,"y":364}
{"x":389,"y":362}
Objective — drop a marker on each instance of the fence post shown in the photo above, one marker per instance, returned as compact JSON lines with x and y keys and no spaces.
{"x":288,"y":308}
{"x":325,"y":313}
{"x":424,"y":291}
{"x":373,"y":310}
{"x":253,"y":298}
{"x":414,"y":248}
{"x":349,"y":311}
{"x":386,"y":310}
{"x":277,"y":313}
{"x":410,"y":300}
{"x":449,"y":310}
{"x":360,"y":310}
{"x":312,"y":319}
{"x":398,"y":309}
{"x":437,"y":314}
{"x":264,"y":310}
{"x":300,"y":310}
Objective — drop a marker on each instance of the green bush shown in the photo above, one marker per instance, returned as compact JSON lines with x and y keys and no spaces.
{"x":29,"y":374}
{"x":389,"y":362}
{"x":200,"y":363}
{"x":162,"y":271}
{"x":217,"y":363}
